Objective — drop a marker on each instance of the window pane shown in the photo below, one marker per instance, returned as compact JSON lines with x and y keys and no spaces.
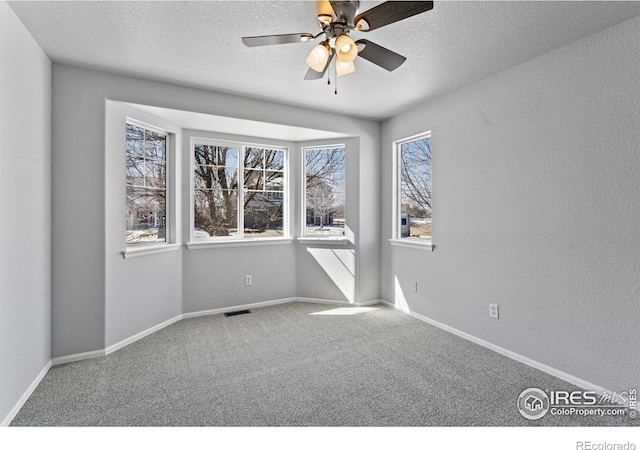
{"x":219,"y":201}
{"x":254,"y":158}
{"x":254,"y":180}
{"x":263,"y":193}
{"x":215,"y":213}
{"x":135,"y":171}
{"x":145,"y":185}
{"x":228,"y":177}
{"x":415,"y":189}
{"x":203,"y":177}
{"x":325,"y":185}
{"x":274,"y":160}
{"x":263,"y":215}
{"x":135,"y":140}
{"x":155,"y":175}
{"x":215,"y":182}
{"x":228,"y":156}
{"x":273,"y":181}
{"x":146,"y":215}
{"x":155,"y":145}
{"x":203,"y":154}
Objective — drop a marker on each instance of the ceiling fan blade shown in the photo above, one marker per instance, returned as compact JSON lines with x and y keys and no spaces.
{"x":313,"y":75}
{"x":380,"y":56}
{"x":256,"y":41}
{"x":389,"y":12}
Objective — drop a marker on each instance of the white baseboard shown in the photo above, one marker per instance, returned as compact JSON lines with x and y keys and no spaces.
{"x":77,"y":357}
{"x":337,"y":302}
{"x":278,"y":302}
{"x":225,"y":309}
{"x":583,"y":384}
{"x":369,"y":303}
{"x":322,"y":301}
{"x":112,"y":348}
{"x":142,"y":334}
{"x":25,"y":396}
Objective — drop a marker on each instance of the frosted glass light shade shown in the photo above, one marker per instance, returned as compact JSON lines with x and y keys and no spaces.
{"x":346,"y":49}
{"x":343,"y":68}
{"x":318,"y":57}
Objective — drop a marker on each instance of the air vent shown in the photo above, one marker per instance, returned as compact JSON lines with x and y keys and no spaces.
{"x":236,"y":313}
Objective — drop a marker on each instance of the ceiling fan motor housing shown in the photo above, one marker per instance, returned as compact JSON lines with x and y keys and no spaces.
{"x":345,"y":10}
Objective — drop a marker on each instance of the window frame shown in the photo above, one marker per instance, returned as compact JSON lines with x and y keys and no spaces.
{"x":168,"y":242}
{"x":303,"y":222}
{"x":241,"y":238}
{"x":396,"y":229}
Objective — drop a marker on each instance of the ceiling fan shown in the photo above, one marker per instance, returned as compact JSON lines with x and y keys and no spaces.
{"x":336,"y":23}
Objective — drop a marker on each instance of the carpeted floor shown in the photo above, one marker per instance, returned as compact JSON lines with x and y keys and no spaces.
{"x":295,"y":364}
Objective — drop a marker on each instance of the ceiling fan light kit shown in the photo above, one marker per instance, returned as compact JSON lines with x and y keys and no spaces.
{"x":337,"y":42}
{"x":318,"y":57}
{"x":345,"y":67}
{"x":346,"y":49}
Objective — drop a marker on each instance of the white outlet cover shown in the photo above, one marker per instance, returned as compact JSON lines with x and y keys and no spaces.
{"x":493,"y":311}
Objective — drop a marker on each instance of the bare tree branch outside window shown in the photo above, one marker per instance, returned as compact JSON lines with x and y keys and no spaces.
{"x":146,"y":185}
{"x":217,"y":195}
{"x":216,"y":190}
{"x":325,"y":184}
{"x":415,"y":185}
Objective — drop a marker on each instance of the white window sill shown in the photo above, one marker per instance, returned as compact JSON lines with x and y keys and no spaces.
{"x":134,"y":252}
{"x":324,"y":241}
{"x":195,"y":245}
{"x":425,"y":246}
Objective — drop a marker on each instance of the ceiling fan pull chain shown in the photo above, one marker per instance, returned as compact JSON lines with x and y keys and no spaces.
{"x":335,"y":68}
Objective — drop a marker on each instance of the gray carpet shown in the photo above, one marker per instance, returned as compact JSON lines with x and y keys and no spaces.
{"x":287,"y":365}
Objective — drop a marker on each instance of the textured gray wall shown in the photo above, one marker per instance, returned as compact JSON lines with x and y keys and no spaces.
{"x":340,"y":265}
{"x":536,"y":189}
{"x":92,"y":308}
{"x":144,"y":291}
{"x":214,"y":277}
{"x":25,"y":202}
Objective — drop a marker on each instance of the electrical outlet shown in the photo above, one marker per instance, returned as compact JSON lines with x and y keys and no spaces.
{"x":493,"y":310}
{"x":247,"y":280}
{"x":414,"y":286}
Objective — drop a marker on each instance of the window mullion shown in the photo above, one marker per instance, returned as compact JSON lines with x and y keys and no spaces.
{"x":240,"y":195}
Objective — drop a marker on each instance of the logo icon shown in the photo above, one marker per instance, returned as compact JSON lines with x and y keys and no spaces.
{"x":533,"y":403}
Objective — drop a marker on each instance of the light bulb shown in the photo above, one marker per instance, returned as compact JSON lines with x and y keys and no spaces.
{"x":347,"y":50}
{"x":318,"y":57}
{"x":344,"y":68}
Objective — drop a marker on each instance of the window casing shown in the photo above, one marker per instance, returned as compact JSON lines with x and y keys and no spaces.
{"x":231,"y":177}
{"x":146,"y":185}
{"x":413,"y":187}
{"x":324,"y":191}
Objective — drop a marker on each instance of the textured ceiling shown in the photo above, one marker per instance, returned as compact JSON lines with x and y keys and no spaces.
{"x":198,"y":44}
